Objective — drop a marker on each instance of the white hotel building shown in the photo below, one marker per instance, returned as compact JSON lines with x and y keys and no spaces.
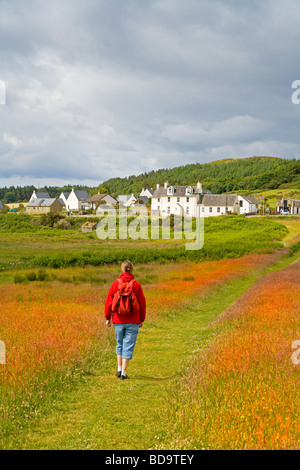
{"x":183,"y":201}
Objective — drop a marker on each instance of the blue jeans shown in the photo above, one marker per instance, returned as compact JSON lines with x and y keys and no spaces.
{"x":126,"y":334}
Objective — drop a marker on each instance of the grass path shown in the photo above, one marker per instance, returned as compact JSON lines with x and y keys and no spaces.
{"x":106,"y":413}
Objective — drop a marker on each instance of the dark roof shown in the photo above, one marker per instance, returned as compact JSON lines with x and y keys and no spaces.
{"x":178,"y":191}
{"x":224,"y":200}
{"x":41,"y":195}
{"x":81,"y":195}
{"x":143,"y":198}
{"x":66,"y":194}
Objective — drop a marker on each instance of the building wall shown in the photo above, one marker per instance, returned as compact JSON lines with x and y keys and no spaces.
{"x":38,"y":210}
{"x":72,"y":202}
{"x":171,"y":205}
{"x":62,"y":196}
{"x":214,"y":211}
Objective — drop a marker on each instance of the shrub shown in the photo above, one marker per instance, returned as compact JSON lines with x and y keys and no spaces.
{"x":31,"y":276}
{"x":42,"y":275}
{"x":62,"y":224}
{"x":19,"y":279}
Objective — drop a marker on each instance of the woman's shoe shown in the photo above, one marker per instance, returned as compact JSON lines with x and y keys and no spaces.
{"x":123,"y":377}
{"x":118,"y":374}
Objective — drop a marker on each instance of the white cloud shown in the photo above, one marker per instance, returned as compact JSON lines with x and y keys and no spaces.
{"x":12,"y":140}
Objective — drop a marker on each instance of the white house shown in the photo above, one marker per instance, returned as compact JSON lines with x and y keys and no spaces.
{"x":247,"y":204}
{"x":123,"y":198}
{"x":184,"y":201}
{"x":177,"y":200}
{"x":64,"y":196}
{"x":131,"y":201}
{"x":39,"y":195}
{"x":213,"y":205}
{"x":77,"y":200}
{"x":147,"y":192}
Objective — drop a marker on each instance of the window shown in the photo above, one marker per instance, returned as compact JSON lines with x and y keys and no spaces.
{"x":178,"y":199}
{"x":169,"y":209}
{"x":218,"y":209}
{"x":202,"y":209}
{"x":241,"y":203}
{"x":187,"y":210}
{"x":169,"y":199}
{"x":158,"y":199}
{"x":210,"y":209}
{"x":187,"y":199}
{"x":189,"y":190}
{"x":170,"y":190}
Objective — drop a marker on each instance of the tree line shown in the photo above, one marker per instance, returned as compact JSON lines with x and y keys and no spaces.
{"x":223,"y":176}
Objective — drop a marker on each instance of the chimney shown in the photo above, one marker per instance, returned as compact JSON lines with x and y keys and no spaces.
{"x":166,"y":184}
{"x":157,"y":186}
{"x":199,"y":187}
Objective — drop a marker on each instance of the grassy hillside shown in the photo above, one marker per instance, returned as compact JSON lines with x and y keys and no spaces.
{"x":244,"y":174}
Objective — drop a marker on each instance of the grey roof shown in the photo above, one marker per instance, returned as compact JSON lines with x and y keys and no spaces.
{"x":178,"y":191}
{"x":41,"y":195}
{"x":66,"y":194}
{"x":251,"y":199}
{"x":224,"y":200}
{"x":1,"y":206}
{"x":61,"y":201}
{"x":143,"y":198}
{"x":40,"y":202}
{"x":81,"y":195}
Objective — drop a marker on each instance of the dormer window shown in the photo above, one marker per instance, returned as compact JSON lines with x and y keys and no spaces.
{"x":189,"y":191}
{"x":170,"y":190}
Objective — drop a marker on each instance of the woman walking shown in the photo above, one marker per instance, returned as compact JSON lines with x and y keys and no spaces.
{"x":126,"y":306}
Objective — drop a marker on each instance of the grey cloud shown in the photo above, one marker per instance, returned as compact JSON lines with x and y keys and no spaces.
{"x":105,"y":88}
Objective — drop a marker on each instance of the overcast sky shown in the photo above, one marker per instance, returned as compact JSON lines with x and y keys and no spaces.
{"x":103,"y":88}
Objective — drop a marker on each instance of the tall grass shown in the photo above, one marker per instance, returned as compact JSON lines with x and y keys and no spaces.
{"x":52,"y":331}
{"x":243,"y":393}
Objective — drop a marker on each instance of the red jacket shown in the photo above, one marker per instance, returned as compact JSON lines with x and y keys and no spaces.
{"x":135,"y":317}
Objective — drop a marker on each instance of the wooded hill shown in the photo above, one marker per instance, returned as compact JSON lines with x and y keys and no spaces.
{"x":219,"y":177}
